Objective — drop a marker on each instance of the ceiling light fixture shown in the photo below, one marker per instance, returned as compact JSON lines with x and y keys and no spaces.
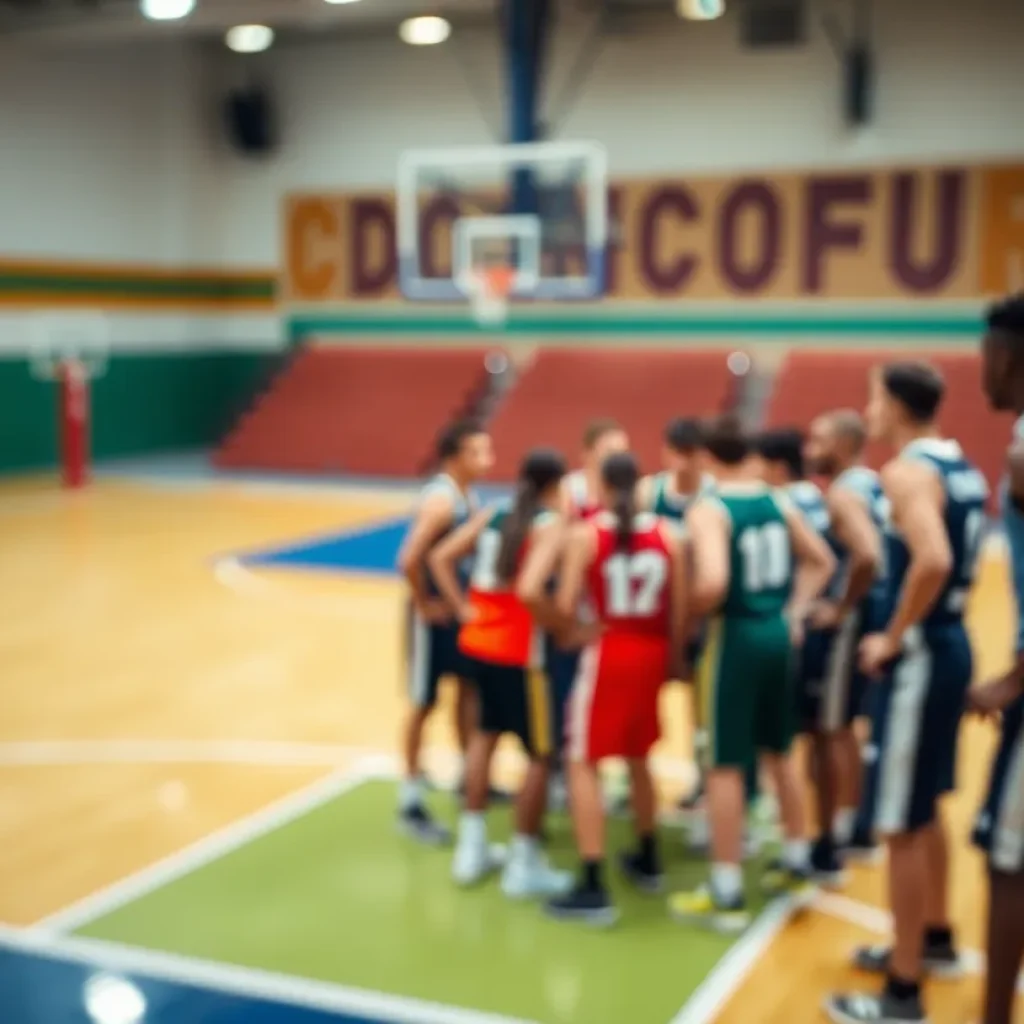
{"x":341,"y":1}
{"x":426,"y":31}
{"x":249,"y":38}
{"x":167,"y":10}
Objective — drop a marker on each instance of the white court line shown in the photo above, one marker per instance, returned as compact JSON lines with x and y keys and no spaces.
{"x":233,"y":574}
{"x":874,"y":919}
{"x":711,"y":997}
{"x":177,"y":752}
{"x":211,"y":847}
{"x":245,"y":981}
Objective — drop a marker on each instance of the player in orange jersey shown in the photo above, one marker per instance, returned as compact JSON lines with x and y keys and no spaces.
{"x":632,"y":568}
{"x":506,"y":648}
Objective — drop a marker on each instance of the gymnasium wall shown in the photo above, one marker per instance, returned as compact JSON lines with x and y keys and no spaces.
{"x":119,"y":193}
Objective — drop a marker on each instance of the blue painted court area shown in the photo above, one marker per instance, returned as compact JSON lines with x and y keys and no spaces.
{"x":53,"y":988}
{"x":371,"y":549}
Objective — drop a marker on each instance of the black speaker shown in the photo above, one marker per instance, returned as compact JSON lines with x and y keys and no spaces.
{"x":250,"y":121}
{"x":858,"y":85}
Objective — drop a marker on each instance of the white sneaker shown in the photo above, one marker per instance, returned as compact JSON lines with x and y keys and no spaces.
{"x":474,"y":861}
{"x":528,"y":877}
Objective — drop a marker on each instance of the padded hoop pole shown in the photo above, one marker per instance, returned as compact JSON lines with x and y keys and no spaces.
{"x":74,"y":422}
{"x":526,"y":24}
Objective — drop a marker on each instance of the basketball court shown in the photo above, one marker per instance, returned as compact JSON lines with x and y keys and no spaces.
{"x":202,"y":685}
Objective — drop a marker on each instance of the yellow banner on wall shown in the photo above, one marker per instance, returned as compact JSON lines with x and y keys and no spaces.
{"x":904,"y":234}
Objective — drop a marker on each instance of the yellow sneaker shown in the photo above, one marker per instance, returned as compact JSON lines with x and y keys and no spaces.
{"x":704,"y":906}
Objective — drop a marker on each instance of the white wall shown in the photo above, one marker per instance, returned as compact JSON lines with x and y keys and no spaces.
{"x":112,"y":153}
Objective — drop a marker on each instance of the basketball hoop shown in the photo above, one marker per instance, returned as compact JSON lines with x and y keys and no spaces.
{"x":489,"y":294}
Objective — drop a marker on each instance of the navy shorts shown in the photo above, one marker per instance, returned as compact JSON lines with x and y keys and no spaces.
{"x":831,"y":687}
{"x":562,"y":667}
{"x":911,"y":759}
{"x":999,"y":829}
{"x":433,"y":653}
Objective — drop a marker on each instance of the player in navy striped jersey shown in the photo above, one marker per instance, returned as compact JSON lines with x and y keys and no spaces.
{"x":857,"y":511}
{"x":937,"y":502}
{"x":446,"y":502}
{"x":1000,"y":825}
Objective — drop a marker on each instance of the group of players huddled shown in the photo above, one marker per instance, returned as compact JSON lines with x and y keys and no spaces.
{"x":799,"y":591}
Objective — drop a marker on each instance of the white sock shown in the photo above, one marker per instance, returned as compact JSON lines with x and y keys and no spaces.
{"x":727,"y":880}
{"x":472,"y":828}
{"x":523,"y":848}
{"x":410,"y":793}
{"x":795,"y":853}
{"x":843,"y":825}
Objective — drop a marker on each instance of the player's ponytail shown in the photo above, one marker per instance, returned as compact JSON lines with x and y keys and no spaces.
{"x":620,"y":474}
{"x":539,"y":472}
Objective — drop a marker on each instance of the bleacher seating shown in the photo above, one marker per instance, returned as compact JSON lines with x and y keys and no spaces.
{"x":810,"y":383}
{"x":642,"y":388}
{"x":362,"y":411}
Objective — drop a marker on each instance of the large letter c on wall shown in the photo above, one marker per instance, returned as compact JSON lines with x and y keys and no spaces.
{"x":668,"y":276}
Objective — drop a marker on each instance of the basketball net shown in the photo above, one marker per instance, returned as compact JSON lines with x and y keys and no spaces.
{"x":489,"y":294}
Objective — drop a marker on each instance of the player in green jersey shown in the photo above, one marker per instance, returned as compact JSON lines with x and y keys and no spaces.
{"x":757,"y":567}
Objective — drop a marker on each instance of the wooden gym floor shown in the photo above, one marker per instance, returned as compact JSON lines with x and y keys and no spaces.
{"x":155,"y":690}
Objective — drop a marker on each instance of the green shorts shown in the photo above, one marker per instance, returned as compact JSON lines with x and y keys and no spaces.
{"x":747,"y":695}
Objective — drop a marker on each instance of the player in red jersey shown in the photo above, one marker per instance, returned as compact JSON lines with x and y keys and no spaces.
{"x":632,"y":567}
{"x":581,"y":489}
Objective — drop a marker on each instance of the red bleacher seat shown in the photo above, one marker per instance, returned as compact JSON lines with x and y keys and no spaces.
{"x":641,"y":388}
{"x":810,"y":383}
{"x":369,"y":411}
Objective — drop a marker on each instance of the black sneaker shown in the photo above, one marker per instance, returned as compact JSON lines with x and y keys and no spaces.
{"x":862,"y":849}
{"x":826,"y":867}
{"x":860,"y":1008}
{"x":640,"y":875}
{"x":939,"y":960}
{"x":778,"y":879}
{"x":592,"y":906}
{"x":417,"y":823}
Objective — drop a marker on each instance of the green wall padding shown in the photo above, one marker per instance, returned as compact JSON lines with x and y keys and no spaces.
{"x":144,"y":404}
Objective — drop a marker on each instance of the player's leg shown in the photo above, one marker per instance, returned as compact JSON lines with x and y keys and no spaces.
{"x":916,"y":762}
{"x":594,"y":732}
{"x":1000,"y":833}
{"x":562,"y":668}
{"x":530,"y":715}
{"x":426,"y":665}
{"x":728,"y":712}
{"x":474,"y":858}
{"x":775,"y":724}
{"x":642,"y":866}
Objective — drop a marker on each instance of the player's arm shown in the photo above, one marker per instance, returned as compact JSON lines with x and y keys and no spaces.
{"x":542,"y":557}
{"x":708,"y":527}
{"x":580,"y":548}
{"x":433,"y":517}
{"x":678,"y":612}
{"x":446,"y":555}
{"x":815,"y":562}
{"x":916,"y":499}
{"x":645,"y":494}
{"x":1000,"y":693}
{"x":852,"y":525}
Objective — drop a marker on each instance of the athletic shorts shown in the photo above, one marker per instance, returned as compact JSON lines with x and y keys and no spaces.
{"x":518,"y":701}
{"x":433,"y":653}
{"x":562,"y":667}
{"x":613,"y":708}
{"x":830,"y":687}
{"x":747,"y":690}
{"x":999,"y":829}
{"x":911,"y":758}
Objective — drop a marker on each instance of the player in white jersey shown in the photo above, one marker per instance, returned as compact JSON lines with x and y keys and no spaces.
{"x":857,"y":605}
{"x":446,"y":502}
{"x":581,"y":489}
{"x":1000,"y":825}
